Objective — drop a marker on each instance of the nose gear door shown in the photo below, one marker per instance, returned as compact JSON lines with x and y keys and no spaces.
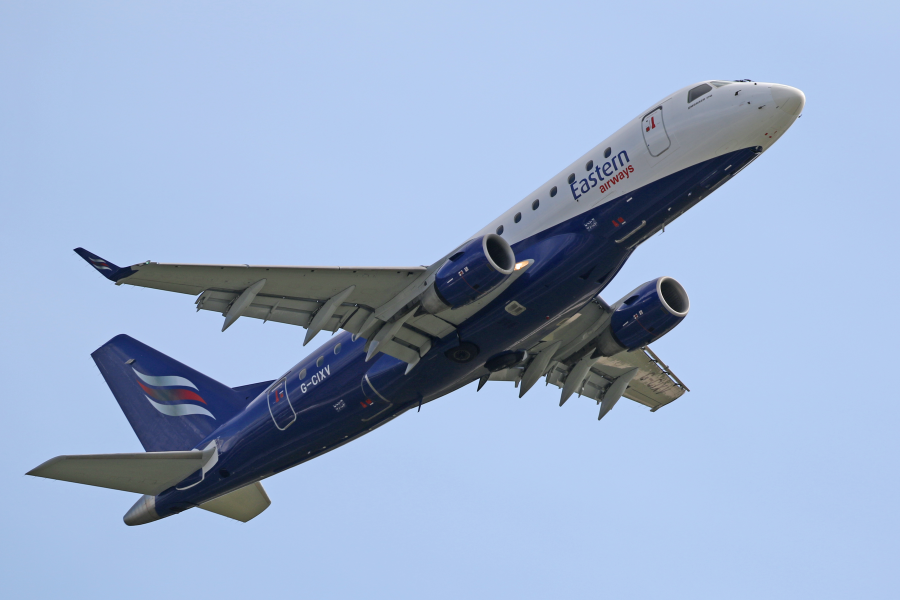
{"x":280,"y":406}
{"x":654,"y":131}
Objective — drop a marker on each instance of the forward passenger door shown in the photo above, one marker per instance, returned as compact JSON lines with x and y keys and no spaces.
{"x":654,"y":130}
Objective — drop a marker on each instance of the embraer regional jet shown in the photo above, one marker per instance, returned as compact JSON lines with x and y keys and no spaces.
{"x":516,"y":302}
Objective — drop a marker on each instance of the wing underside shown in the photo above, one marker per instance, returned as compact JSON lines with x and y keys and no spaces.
{"x":377,"y":304}
{"x":380,"y":305}
{"x":565,"y":358}
{"x":654,"y":385}
{"x":316,"y":298}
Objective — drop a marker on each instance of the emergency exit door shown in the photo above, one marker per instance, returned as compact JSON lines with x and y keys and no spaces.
{"x":655,"y":132}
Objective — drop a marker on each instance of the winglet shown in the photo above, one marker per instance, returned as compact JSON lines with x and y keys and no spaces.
{"x":106,"y":268}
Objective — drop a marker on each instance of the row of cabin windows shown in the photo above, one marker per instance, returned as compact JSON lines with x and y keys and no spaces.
{"x":695,"y":93}
{"x":553,"y":190}
{"x":319,"y":362}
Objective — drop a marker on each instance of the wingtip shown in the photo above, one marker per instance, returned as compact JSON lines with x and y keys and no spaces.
{"x":38,"y":470}
{"x":106,"y":268}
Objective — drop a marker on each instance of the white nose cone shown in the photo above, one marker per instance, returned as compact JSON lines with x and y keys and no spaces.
{"x":788,"y":99}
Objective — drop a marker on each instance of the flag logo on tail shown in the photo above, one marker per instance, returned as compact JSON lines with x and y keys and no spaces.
{"x":100,"y":264}
{"x":172,"y":395}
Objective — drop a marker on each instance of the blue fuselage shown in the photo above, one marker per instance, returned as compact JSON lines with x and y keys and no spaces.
{"x":335,"y":396}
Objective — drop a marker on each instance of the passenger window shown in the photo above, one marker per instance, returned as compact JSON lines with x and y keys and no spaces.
{"x":698,"y":91}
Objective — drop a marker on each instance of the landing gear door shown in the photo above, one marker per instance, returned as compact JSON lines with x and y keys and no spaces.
{"x":280,"y":406}
{"x":654,"y":131}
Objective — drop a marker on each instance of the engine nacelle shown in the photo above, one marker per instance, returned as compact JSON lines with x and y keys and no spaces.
{"x":645,"y":315}
{"x":473,"y":271}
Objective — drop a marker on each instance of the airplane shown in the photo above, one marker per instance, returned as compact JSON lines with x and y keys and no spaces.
{"x":517,"y":302}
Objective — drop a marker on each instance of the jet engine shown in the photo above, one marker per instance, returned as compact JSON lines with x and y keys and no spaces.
{"x":645,"y":315}
{"x":478,"y":267}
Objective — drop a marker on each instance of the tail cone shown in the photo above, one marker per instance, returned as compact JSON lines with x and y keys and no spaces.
{"x":143,"y":511}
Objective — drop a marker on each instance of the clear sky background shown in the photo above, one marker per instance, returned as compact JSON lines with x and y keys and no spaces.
{"x":385,"y":134}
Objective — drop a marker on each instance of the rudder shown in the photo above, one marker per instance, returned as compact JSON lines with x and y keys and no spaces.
{"x":169,"y":405}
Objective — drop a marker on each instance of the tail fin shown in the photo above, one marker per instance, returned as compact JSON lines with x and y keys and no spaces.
{"x":169,"y":405}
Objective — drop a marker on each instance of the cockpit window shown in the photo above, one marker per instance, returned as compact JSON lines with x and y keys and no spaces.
{"x":719,"y":84}
{"x":698,"y":91}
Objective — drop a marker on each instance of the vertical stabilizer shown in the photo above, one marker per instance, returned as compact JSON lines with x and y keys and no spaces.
{"x":169,"y":405}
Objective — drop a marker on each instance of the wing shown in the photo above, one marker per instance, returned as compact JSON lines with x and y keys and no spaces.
{"x":565,"y":359}
{"x":654,"y":385}
{"x":373,"y":303}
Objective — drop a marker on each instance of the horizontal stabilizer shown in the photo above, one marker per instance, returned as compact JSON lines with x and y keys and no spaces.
{"x":143,"y":473}
{"x":242,"y":504}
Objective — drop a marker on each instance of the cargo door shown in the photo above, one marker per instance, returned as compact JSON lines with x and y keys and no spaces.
{"x":280,"y":406}
{"x":654,"y":131}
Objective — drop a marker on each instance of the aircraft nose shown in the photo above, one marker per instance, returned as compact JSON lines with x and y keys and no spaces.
{"x":788,"y":99}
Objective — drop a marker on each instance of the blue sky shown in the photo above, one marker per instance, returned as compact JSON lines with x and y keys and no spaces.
{"x":363,"y":134}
